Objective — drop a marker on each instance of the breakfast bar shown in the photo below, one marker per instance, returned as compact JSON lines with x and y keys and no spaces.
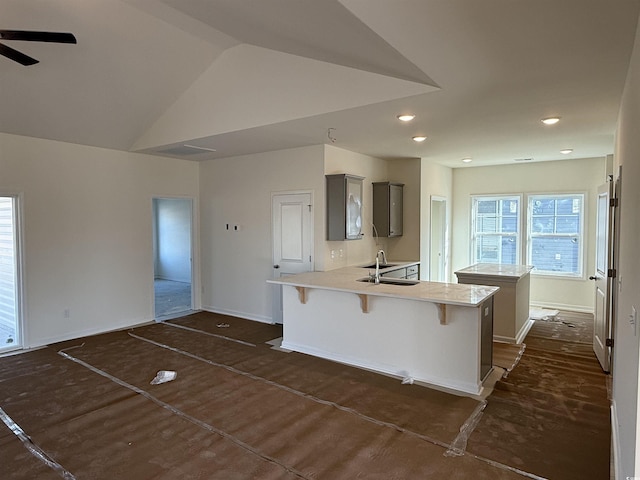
{"x":430,"y":332}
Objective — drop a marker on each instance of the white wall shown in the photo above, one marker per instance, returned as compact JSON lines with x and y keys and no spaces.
{"x":237,"y":191}
{"x":173,"y":239}
{"x":580,"y":175}
{"x":87,"y":232}
{"x":626,"y":353}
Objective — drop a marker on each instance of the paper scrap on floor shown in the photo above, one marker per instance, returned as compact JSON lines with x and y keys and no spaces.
{"x":164,"y":376}
{"x":542,"y":314}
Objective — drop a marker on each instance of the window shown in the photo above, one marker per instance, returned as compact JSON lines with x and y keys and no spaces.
{"x":495,"y":231}
{"x":555,"y":228}
{"x":556,"y":234}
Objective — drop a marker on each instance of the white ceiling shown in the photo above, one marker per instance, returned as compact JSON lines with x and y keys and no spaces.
{"x":245,"y":76}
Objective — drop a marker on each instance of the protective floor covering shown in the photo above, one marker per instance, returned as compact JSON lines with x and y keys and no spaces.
{"x":235,"y":411}
{"x":551,"y":415}
{"x":507,"y":355}
{"x":241,"y":410}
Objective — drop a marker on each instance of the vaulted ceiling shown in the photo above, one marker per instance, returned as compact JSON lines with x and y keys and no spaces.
{"x":204,"y":79}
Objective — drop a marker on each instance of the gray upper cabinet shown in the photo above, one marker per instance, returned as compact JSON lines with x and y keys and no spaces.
{"x":387,"y":209}
{"x":344,"y":207}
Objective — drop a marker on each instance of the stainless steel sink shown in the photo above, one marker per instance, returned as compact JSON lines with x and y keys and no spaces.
{"x":391,"y":281}
{"x":386,"y":265}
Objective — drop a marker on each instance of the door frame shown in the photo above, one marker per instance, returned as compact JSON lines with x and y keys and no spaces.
{"x":18,"y":225}
{"x":276,"y":298}
{"x":194,"y":245}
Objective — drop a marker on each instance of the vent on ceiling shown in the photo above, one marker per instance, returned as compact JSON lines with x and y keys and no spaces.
{"x":186,"y":150}
{"x":523,"y":160}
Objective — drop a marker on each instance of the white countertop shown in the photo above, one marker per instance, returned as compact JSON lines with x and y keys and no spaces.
{"x":496,"y":270}
{"x":346,"y":280}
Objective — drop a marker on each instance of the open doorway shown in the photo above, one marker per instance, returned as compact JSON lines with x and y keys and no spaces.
{"x":438,"y":240}
{"x":172,"y":250}
{"x":10,"y":293}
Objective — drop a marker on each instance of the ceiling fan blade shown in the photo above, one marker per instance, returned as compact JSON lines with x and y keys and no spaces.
{"x":29,"y":36}
{"x":17,"y":56}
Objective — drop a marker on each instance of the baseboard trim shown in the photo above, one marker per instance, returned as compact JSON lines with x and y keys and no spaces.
{"x":524,"y":330}
{"x":234,"y":313}
{"x":458,"y":388}
{"x":615,"y":440}
{"x":563,"y":306}
{"x":87,"y":333}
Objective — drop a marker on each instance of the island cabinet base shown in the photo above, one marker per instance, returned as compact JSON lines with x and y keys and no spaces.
{"x":395,"y":336}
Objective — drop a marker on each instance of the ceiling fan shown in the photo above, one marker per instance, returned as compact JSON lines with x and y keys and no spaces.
{"x":29,"y":36}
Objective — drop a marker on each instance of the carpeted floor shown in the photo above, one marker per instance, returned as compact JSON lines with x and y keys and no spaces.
{"x":239,"y":409}
{"x":171,"y":298}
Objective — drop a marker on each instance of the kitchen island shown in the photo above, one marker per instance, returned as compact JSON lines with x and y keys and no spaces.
{"x":436,"y":333}
{"x":511,"y":304}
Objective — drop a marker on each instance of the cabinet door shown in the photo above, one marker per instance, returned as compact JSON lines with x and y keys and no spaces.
{"x":395,"y":210}
{"x":354,"y":208}
{"x":399,"y":273}
{"x":344,"y":207}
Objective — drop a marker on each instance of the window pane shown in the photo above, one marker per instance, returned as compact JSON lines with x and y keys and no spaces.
{"x":509,"y":252}
{"x":487,"y":206}
{"x":509,"y":224}
{"x":542,"y":224}
{"x":565,"y":206}
{"x":543,"y":206}
{"x":568,"y":224}
{"x":487,"y":224}
{"x":556,"y":254}
{"x":496,"y":249}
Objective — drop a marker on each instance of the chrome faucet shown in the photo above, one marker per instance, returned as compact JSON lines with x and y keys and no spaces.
{"x":376,"y":278}
{"x":381,"y":255}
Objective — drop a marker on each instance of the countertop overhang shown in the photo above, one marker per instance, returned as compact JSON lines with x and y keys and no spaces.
{"x":346,"y":280}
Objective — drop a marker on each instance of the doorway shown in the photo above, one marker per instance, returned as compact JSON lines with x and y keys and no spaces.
{"x":438,"y":242}
{"x":172,"y":257}
{"x":292,"y":240}
{"x":10,"y":291}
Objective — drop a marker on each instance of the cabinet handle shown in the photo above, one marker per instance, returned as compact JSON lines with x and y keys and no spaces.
{"x":276,"y":266}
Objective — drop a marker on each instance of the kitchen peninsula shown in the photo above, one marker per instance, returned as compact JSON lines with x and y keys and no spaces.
{"x":436,"y":333}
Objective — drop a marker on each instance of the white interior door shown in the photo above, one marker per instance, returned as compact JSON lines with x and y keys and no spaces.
{"x":604,"y":275}
{"x":292,"y":240}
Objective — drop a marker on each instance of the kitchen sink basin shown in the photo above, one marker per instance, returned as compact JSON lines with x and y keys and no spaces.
{"x":386,"y":265}
{"x":391,"y":281}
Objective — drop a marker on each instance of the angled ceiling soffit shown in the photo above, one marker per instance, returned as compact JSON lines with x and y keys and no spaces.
{"x":248,"y":87}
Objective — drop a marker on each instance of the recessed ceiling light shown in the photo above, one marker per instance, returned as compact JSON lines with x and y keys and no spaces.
{"x":550,"y":120}
{"x":419,"y":138}
{"x":566,"y":151}
{"x":467,"y":160}
{"x":407,"y":117}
